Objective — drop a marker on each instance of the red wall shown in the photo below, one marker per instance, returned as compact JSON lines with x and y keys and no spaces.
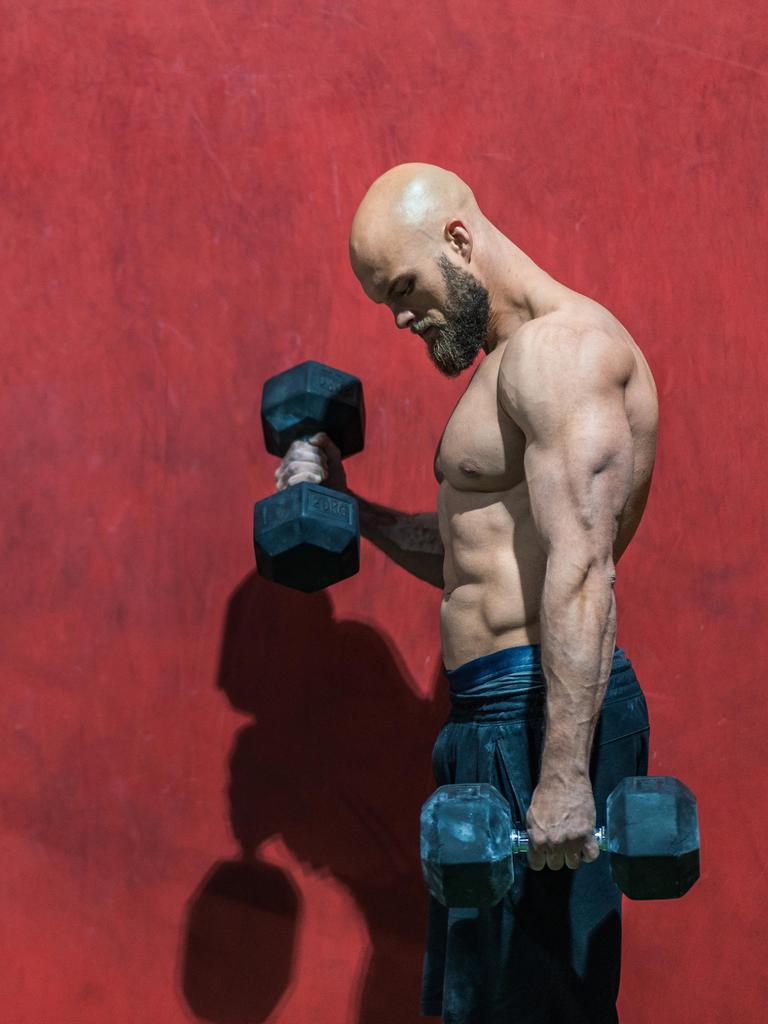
{"x":210,"y":786}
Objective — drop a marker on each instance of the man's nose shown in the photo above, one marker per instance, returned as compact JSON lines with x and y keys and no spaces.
{"x":404,"y":318}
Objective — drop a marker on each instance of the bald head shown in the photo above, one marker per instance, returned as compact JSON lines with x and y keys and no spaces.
{"x":412,"y":247}
{"x":408,"y":207}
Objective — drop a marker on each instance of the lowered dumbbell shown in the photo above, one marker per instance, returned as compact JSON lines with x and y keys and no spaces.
{"x":307,"y":536}
{"x":651,"y":837}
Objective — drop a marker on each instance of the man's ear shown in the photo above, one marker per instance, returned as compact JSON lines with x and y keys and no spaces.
{"x":459,"y":237}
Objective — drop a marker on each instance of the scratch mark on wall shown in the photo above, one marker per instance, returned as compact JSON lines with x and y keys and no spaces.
{"x":206,"y":141}
{"x":648,"y":38}
{"x":203,"y":8}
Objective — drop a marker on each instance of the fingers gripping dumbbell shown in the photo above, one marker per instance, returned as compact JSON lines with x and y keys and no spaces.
{"x":651,"y":837}
{"x":307,"y":536}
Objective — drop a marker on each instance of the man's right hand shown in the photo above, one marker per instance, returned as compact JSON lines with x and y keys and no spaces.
{"x":317,"y":460}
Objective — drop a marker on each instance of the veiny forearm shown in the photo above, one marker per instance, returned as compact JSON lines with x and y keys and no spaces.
{"x":412,"y":540}
{"x":578,"y":634}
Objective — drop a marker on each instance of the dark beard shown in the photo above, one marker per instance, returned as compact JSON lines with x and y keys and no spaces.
{"x":467,"y":311}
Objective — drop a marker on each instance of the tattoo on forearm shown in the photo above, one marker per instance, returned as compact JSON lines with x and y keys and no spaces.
{"x":417,"y":532}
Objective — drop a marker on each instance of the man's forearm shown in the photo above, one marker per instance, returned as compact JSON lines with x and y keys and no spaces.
{"x":412,"y":540}
{"x":578,"y":634}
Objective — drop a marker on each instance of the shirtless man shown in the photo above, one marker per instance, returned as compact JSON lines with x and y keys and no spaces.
{"x":544,"y":469}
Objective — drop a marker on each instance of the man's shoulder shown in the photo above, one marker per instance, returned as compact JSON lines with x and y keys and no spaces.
{"x":551,"y":356}
{"x":557,"y":336}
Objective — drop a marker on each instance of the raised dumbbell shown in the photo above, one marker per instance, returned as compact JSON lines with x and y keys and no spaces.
{"x":308,"y":536}
{"x":651,"y":837}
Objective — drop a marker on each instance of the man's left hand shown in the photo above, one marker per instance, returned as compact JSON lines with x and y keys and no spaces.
{"x":560,"y":823}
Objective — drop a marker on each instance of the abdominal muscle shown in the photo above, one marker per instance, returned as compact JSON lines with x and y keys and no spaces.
{"x":493,"y":572}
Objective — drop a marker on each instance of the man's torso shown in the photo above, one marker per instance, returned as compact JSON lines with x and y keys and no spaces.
{"x":494,"y":563}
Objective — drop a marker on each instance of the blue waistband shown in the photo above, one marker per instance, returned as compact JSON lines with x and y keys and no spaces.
{"x":521,"y":665}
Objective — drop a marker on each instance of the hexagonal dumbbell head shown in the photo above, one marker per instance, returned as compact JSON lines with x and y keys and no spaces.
{"x":466,"y":848}
{"x":309,"y":398}
{"x":653,"y":837}
{"x":306,"y":537}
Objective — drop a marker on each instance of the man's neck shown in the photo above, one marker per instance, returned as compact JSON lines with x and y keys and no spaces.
{"x":519,"y":291}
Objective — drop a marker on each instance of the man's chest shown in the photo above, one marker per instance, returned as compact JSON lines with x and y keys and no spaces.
{"x":481,"y":448}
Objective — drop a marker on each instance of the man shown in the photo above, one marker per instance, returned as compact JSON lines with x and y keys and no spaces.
{"x":544,"y":469}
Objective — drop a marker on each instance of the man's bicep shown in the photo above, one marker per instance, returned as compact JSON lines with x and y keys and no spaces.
{"x":579,"y":481}
{"x":568,"y":398}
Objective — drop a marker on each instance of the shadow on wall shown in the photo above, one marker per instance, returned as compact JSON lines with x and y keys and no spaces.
{"x":337,"y":762}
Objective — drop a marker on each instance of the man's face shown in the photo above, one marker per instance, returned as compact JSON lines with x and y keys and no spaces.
{"x":454,"y":339}
{"x":443,"y":303}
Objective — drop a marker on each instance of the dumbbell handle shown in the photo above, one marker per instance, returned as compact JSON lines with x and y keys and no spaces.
{"x":521,"y":842}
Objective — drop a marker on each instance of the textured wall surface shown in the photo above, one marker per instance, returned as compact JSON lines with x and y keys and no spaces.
{"x":210,"y":787}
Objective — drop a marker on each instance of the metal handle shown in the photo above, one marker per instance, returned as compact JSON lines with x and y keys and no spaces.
{"x":521,"y":842}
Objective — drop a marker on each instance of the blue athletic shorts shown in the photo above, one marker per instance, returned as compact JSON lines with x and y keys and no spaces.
{"x":550,"y":952}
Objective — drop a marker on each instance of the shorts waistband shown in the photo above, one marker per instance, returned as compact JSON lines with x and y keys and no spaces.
{"x":514,"y":668}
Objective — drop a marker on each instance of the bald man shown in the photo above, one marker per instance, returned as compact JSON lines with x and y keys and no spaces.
{"x":544,"y":468}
